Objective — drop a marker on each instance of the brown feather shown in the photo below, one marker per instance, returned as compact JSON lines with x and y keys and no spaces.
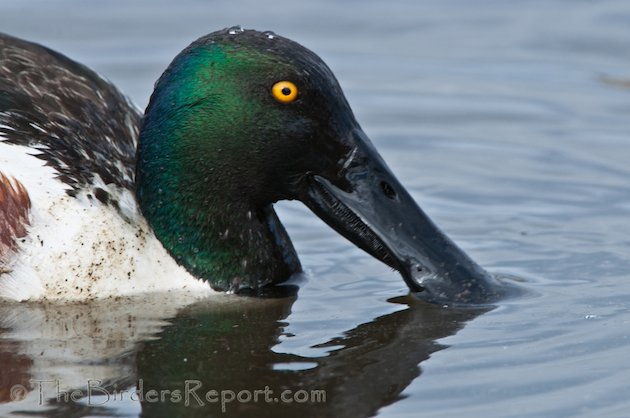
{"x":14,"y":210}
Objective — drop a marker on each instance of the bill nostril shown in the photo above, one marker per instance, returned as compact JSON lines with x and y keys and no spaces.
{"x":388,"y":190}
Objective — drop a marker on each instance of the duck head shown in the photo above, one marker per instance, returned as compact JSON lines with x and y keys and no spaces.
{"x":242,"y":119}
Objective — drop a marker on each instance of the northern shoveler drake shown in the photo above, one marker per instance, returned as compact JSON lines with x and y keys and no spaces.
{"x":98,"y":200}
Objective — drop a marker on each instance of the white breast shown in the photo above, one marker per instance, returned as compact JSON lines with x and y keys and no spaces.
{"x":78,"y":248}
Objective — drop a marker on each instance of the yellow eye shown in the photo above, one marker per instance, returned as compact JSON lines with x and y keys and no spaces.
{"x":284,"y":91}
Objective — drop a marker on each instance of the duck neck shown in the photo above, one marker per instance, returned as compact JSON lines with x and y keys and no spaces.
{"x":231,"y":247}
{"x":205,"y":220}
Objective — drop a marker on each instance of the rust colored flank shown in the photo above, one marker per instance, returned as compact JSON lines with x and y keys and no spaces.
{"x":14,"y":207}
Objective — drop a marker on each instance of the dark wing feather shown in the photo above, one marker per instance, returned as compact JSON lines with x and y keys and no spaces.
{"x":77,"y":122}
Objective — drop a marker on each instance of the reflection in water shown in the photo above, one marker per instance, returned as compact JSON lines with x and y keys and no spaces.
{"x":224,"y":343}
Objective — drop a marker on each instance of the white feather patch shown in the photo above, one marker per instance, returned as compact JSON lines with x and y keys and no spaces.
{"x":80,"y":249}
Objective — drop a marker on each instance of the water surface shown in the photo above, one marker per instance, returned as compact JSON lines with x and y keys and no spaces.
{"x":508,"y":121}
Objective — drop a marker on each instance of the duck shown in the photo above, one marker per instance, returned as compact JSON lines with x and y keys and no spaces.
{"x":100,"y":200}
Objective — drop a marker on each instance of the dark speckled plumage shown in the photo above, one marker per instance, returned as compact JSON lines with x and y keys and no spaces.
{"x":75,"y":120}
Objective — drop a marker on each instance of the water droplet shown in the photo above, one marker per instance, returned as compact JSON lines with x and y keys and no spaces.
{"x":270,"y":34}
{"x":235,"y":30}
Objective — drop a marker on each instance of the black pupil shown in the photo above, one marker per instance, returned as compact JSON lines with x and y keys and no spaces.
{"x":286,"y":91}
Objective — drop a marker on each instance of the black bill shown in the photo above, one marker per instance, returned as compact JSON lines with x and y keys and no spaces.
{"x":366,"y":204}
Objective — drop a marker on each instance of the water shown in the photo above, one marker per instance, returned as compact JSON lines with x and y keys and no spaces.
{"x":508,"y":121}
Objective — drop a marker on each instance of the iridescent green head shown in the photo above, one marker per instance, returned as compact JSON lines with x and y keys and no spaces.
{"x":242,"y":119}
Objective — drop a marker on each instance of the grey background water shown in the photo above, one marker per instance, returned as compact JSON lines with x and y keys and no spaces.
{"x":509,"y":121}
